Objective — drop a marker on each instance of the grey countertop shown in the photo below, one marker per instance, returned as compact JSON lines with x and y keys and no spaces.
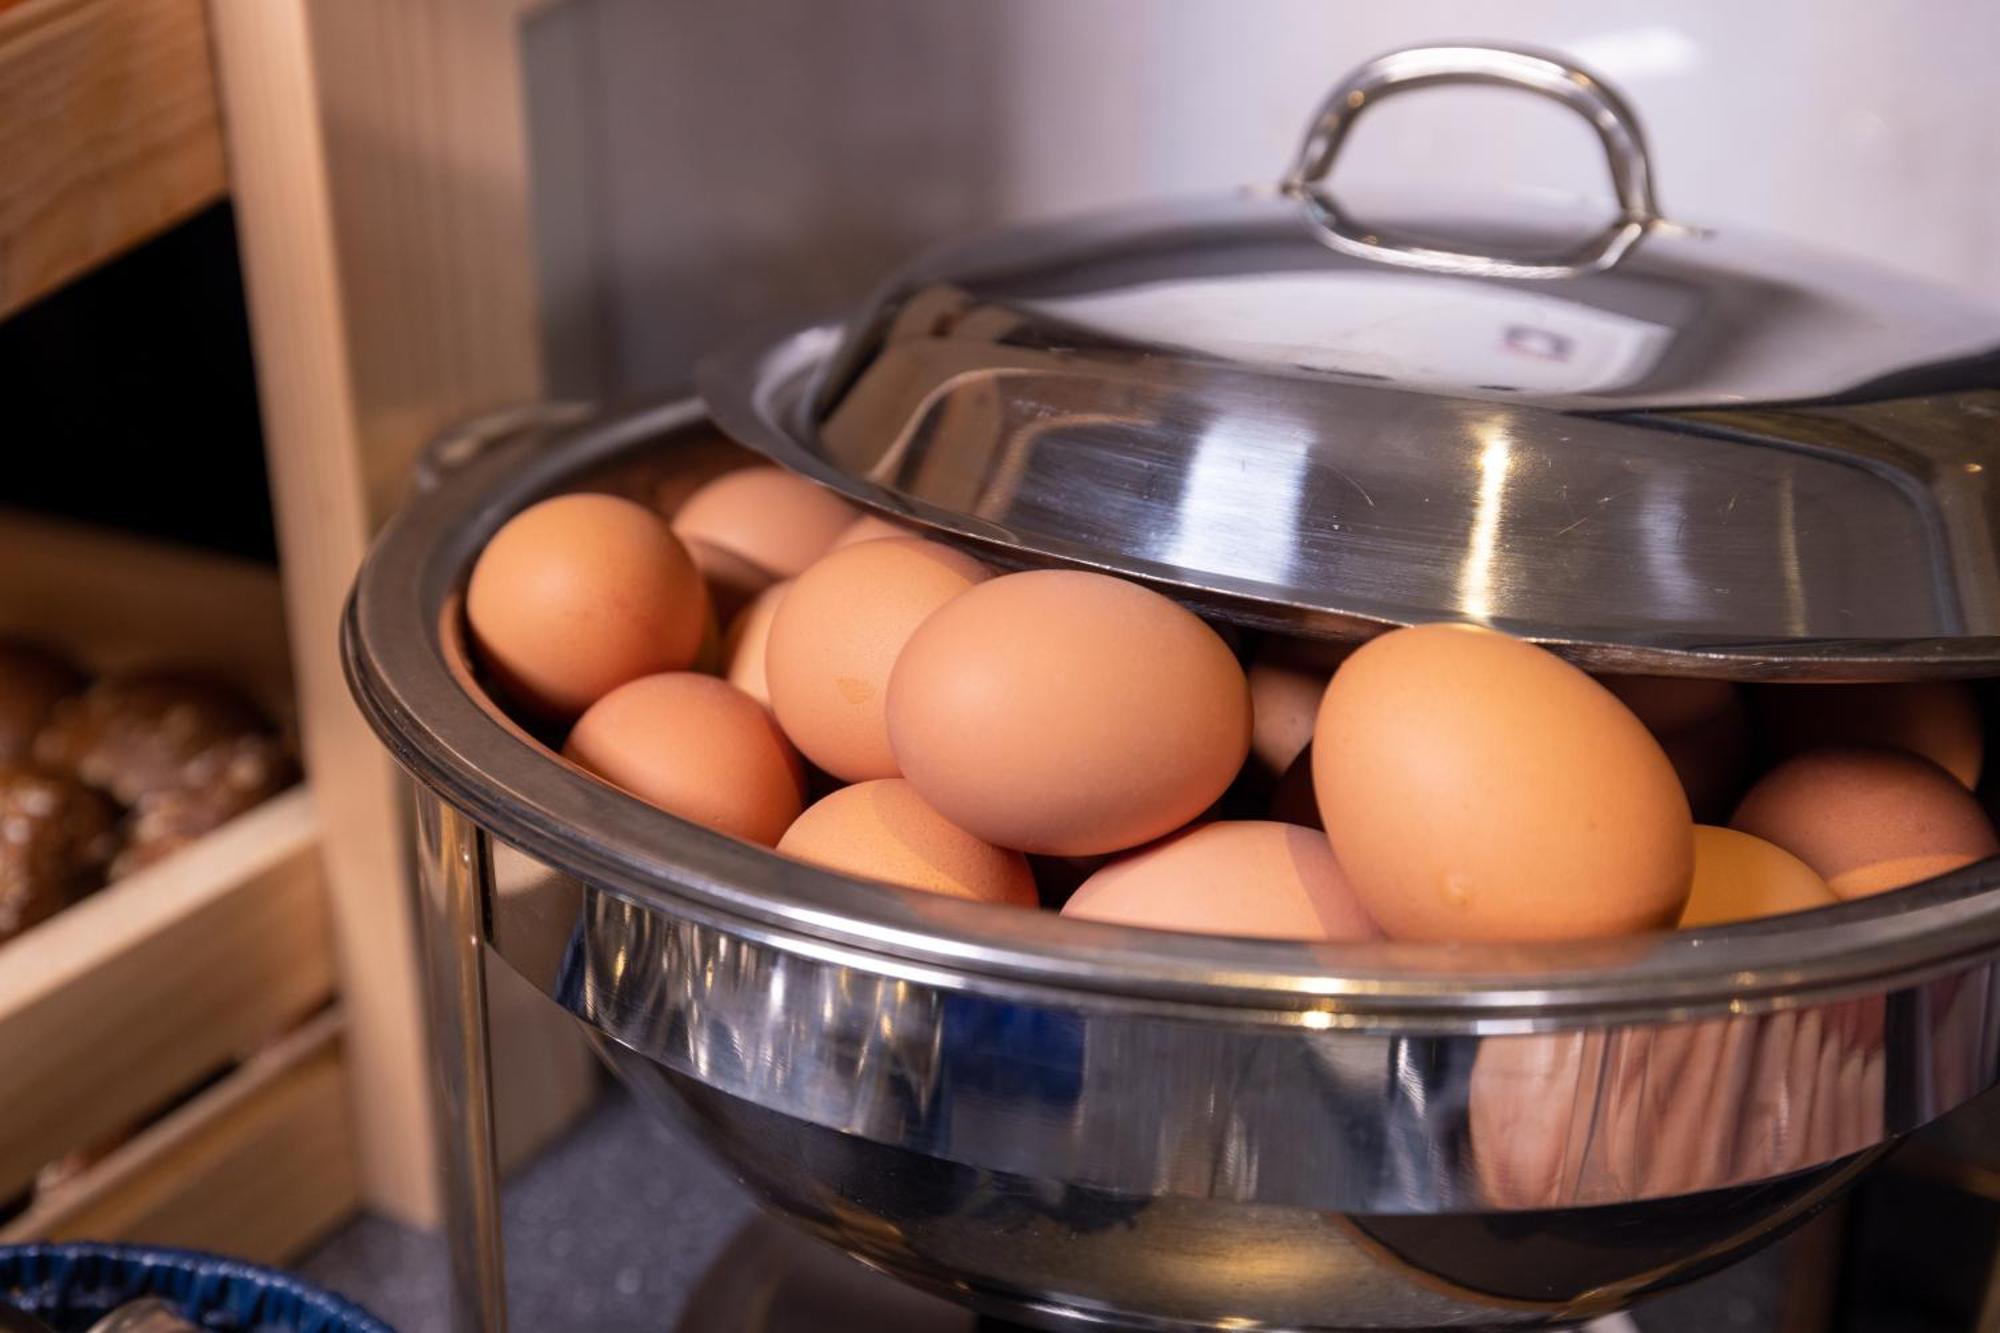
{"x":613,"y":1227}
{"x":607,"y":1232}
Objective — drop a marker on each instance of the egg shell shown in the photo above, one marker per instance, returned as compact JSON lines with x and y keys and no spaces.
{"x":696,"y":747}
{"x":732,"y":581}
{"x":1704,"y":727}
{"x":665,"y":478}
{"x":1251,"y":878}
{"x":576,"y":595}
{"x":870,"y":528}
{"x":1938,"y":719}
{"x":836,"y":636}
{"x":1068,"y":713}
{"x":1738,"y":877}
{"x":749,"y":635}
{"x":776,"y":520}
{"x":1868,"y":820}
{"x":1713,"y":761}
{"x":1284,"y":702}
{"x":883,"y":830}
{"x":1666,"y":704}
{"x":1475,"y":787}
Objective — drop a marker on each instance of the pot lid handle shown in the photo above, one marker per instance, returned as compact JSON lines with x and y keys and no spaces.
{"x":1534,"y":71}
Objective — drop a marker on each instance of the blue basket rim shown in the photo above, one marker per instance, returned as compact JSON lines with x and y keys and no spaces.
{"x":348,"y":1317}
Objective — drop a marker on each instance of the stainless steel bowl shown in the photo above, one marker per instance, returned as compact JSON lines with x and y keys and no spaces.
{"x":1077,"y":1125}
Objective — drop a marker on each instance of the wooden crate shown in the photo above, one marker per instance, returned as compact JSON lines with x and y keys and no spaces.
{"x":205,"y":964}
{"x":118,"y":602}
{"x":378,"y":166}
{"x":108,"y":129}
{"x":354,"y":138}
{"x":260,"y":1166}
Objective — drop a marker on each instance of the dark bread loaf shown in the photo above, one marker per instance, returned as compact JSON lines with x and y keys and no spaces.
{"x":223,"y":781}
{"x":56,"y":837}
{"x":131,"y":736}
{"x":32,"y":681}
{"x":181,"y":753}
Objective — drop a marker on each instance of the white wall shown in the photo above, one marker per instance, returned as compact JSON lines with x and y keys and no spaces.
{"x":706,"y":163}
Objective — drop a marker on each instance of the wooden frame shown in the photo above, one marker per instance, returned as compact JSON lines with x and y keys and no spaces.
{"x":259,"y":1166}
{"x":379,"y":168}
{"x":108,"y":129}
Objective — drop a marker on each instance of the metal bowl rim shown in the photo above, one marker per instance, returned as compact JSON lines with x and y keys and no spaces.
{"x":456,"y":744}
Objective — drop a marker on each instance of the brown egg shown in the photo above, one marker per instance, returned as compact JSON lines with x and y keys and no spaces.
{"x":1937,"y":719}
{"x":774,"y":519}
{"x":668,"y":477}
{"x":1067,"y":713}
{"x":579,"y":594}
{"x":1475,"y":787}
{"x":1868,"y":820}
{"x":1739,"y":878}
{"x":870,"y":528}
{"x":1284,"y":701}
{"x":836,"y":636}
{"x":884,"y":830}
{"x":1250,"y":878}
{"x":732,"y":580}
{"x":749,"y":635}
{"x":1667,"y":704}
{"x":1704,"y":728}
{"x":696,"y":747}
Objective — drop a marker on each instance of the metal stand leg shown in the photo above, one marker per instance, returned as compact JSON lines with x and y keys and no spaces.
{"x":453,"y":873}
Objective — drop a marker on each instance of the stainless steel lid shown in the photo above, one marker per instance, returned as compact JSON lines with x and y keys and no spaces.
{"x":1659,"y":446}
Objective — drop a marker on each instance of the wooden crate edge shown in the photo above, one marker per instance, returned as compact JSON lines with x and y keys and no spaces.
{"x":259,"y":1166}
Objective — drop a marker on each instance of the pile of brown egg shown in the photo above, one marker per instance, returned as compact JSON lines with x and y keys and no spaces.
{"x":892,"y":708}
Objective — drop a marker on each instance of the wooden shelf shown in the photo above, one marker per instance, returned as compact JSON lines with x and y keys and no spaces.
{"x":378,"y":159}
{"x":111,"y":1008}
{"x":204,"y":963}
{"x":108,"y":129}
{"x":260,"y":1166}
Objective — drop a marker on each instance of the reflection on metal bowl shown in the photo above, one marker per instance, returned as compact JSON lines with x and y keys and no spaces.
{"x":1054,"y":1163}
{"x":1053,"y":1254}
{"x":1077,"y":1125}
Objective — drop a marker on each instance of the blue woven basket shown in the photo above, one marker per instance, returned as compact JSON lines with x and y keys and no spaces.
{"x":72,"y":1286}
